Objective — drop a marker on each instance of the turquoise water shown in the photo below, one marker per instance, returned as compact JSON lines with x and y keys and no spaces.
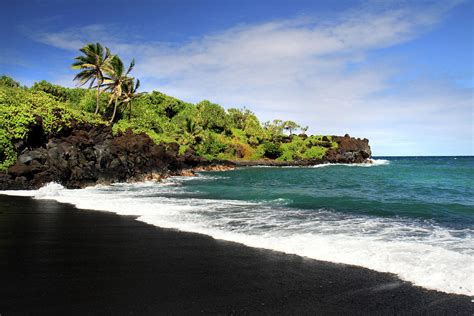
{"x":438,"y":189}
{"x":413,"y":217}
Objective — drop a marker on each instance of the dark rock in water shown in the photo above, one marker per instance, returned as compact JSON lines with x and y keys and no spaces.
{"x":88,"y":154}
{"x":350,"y":150}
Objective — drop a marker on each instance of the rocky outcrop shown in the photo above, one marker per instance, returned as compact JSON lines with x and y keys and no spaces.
{"x":84,"y":154}
{"x":350,"y":150}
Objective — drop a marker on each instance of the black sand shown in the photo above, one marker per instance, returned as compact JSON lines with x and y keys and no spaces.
{"x":56,"y":259}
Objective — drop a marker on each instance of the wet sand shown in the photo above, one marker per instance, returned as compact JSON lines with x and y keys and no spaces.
{"x":55,"y":259}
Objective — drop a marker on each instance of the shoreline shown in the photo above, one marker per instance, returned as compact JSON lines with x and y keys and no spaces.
{"x":226,"y":165}
{"x":86,"y":154}
{"x":60,"y":259}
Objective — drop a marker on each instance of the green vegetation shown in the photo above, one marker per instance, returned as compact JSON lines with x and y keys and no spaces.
{"x":93,"y":63}
{"x":206,"y":127}
{"x":8,"y":82}
{"x":18,"y":109}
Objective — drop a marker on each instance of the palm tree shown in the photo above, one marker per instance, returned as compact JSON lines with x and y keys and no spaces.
{"x":190,"y":132}
{"x":129,"y":93}
{"x":93,"y":64}
{"x":115,"y":80}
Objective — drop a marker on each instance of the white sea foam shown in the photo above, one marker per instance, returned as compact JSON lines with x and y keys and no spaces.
{"x":379,"y":162}
{"x":369,"y":163}
{"x":421,"y":252}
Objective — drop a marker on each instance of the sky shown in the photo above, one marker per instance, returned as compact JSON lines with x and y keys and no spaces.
{"x":399,"y":73}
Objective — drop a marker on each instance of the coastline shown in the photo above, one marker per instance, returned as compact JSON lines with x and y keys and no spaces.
{"x":86,"y":154}
{"x":226,"y":165}
{"x":63,"y":260}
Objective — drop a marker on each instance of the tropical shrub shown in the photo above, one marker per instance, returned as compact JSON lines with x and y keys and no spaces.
{"x":6,"y":81}
{"x":18,"y":109}
{"x":205,"y":127}
{"x":271,"y":150}
{"x":212,"y":117}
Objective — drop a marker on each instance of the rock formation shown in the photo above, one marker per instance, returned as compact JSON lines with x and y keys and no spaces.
{"x":85,"y":154}
{"x":350,"y":150}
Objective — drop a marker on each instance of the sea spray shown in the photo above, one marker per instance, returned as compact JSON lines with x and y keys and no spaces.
{"x":371,"y":217}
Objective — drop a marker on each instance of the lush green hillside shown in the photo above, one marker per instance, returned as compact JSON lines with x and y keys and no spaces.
{"x":206,"y":127}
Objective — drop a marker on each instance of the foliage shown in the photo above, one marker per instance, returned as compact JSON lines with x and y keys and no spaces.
{"x":62,"y":94}
{"x":116,"y":81}
{"x":130,"y":93}
{"x":211,"y":116}
{"x":206,"y":127}
{"x":18,"y":109}
{"x":6,"y":81}
{"x":290,"y":126}
{"x":212,"y":145}
{"x":313,"y":147}
{"x":164,"y":105}
{"x":93,"y":63}
{"x":274,"y":129}
{"x":315,"y":152}
{"x":88,"y":102}
{"x":271,"y":150}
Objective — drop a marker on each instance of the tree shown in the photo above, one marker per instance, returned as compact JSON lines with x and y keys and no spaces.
{"x":92,"y":63}
{"x":274,"y":129}
{"x":6,"y":81}
{"x":291,"y":126}
{"x":129,"y":93}
{"x":212,"y":116}
{"x":239,"y":117}
{"x":116,"y":79}
{"x":271,"y":150}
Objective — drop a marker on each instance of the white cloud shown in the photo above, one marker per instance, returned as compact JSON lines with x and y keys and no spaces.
{"x":314,"y":71}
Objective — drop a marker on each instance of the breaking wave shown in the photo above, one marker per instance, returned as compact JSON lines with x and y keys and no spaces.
{"x":419,"y":251}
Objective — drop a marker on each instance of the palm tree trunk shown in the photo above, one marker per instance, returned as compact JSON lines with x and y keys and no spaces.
{"x":115,"y":111}
{"x":97,"y":100}
{"x":111,"y":99}
{"x":130,"y":112}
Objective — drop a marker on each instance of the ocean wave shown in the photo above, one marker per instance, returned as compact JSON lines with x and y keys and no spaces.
{"x":278,"y":201}
{"x":202,"y":176}
{"x":198,"y":177}
{"x":370,"y":163}
{"x":417,"y":251}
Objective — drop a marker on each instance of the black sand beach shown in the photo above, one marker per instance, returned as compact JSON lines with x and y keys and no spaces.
{"x":56,"y":259}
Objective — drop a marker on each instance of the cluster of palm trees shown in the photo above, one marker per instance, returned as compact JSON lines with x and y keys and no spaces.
{"x":106,"y":72}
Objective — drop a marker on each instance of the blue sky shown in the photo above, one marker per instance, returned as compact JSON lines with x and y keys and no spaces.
{"x":397,"y":72}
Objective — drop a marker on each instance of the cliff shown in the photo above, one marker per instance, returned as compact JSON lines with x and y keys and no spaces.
{"x":349,"y":150}
{"x":86,"y":154}
{"x":89,"y":154}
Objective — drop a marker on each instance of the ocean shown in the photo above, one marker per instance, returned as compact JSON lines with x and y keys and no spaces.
{"x":411,"y":216}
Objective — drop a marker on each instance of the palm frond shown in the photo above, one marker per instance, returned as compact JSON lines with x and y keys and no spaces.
{"x":84,"y":76}
{"x":130,"y":68}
